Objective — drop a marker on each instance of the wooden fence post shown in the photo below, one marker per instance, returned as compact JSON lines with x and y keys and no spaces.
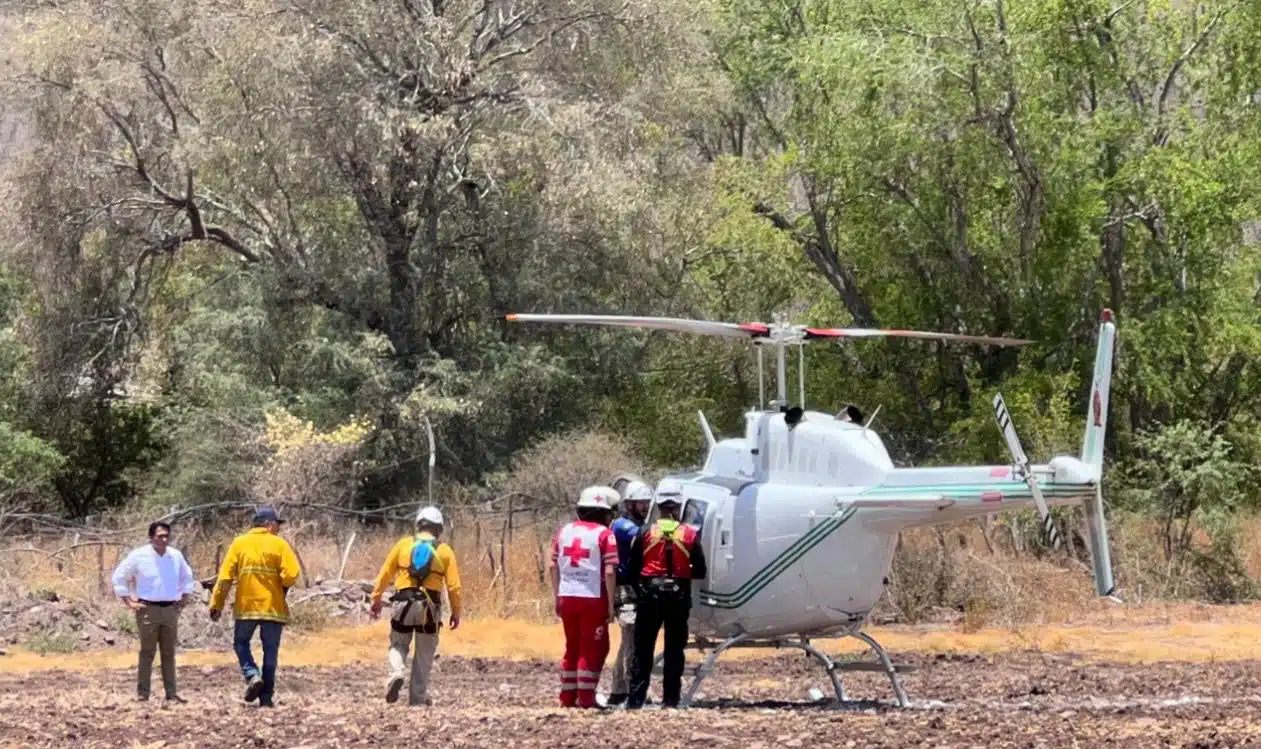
{"x":538,"y":546}
{"x":504,"y":536}
{"x":345,"y":556}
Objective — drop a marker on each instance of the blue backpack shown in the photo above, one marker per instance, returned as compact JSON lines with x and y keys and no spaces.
{"x":421,"y":562}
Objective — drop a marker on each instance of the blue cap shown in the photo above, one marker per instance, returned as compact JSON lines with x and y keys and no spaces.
{"x":266,"y":514}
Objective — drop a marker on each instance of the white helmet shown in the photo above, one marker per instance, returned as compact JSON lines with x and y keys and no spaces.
{"x":429,"y":514}
{"x":637,"y":491}
{"x":669,"y":490}
{"x":601,"y":497}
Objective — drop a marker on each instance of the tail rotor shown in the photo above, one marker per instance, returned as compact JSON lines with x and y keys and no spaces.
{"x":1021,"y":461}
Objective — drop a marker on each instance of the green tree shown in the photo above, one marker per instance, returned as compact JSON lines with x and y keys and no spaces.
{"x":983,"y":168}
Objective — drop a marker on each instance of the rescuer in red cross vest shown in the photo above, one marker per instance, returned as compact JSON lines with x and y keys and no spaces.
{"x":584,"y":563}
{"x":664,"y":559}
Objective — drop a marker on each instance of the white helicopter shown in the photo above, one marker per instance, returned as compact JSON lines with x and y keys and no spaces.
{"x":799,"y":518}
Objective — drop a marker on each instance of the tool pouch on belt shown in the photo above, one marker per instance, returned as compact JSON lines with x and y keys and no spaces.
{"x":414,"y":610}
{"x":625,"y":596}
{"x":624,"y":599}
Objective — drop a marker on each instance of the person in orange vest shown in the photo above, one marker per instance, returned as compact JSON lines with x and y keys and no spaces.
{"x":583,"y":568}
{"x":664,"y":559}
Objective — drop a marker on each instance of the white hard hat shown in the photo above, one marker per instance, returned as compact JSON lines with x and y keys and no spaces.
{"x":601,"y":497}
{"x":669,"y":490}
{"x":429,"y":514}
{"x":637,"y":491}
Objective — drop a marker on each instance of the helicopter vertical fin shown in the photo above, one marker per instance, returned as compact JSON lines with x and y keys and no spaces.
{"x":1097,"y":409}
{"x":1092,"y":456}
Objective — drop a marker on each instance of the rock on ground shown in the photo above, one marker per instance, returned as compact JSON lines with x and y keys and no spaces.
{"x":46,"y":620}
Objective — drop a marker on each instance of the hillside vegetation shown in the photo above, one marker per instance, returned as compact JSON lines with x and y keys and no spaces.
{"x":254,"y":251}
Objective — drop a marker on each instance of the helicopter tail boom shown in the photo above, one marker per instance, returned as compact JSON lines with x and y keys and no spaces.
{"x":1066,"y":480}
{"x":1092,"y":455}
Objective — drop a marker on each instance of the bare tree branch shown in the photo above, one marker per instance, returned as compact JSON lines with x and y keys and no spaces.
{"x":1166,"y":88}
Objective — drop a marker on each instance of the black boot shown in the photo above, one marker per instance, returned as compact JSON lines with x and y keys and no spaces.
{"x":616,"y":699}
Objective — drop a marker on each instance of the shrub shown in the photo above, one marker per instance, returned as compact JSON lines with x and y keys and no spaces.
{"x":307,"y":465}
{"x":555,"y":470}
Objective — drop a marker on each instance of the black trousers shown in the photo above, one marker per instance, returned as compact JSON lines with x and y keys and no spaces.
{"x":653,"y":611}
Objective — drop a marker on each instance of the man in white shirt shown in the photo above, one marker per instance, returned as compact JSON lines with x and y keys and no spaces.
{"x":155,"y":582}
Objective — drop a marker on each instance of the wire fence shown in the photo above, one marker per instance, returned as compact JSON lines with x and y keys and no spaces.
{"x":502,"y":544}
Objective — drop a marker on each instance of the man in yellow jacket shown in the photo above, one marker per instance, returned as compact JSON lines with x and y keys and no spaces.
{"x":417,"y":603}
{"x":264,"y":566}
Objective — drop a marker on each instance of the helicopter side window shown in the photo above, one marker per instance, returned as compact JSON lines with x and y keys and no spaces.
{"x":694,"y":514}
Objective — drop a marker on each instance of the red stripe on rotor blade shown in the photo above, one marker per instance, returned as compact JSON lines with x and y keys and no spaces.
{"x":991,"y":496}
{"x":1000,"y":472}
{"x":755,"y":328}
{"x":825,"y":333}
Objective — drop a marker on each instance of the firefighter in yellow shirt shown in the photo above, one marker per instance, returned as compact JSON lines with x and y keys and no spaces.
{"x":264,"y":567}
{"x":418,"y":566}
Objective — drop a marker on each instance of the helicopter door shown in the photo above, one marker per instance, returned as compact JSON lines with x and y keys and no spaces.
{"x":707,"y":516}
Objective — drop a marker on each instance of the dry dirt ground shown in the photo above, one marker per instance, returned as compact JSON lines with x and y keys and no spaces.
{"x":1016,"y":699}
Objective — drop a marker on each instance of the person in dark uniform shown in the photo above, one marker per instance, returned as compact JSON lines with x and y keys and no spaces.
{"x":664,"y":559}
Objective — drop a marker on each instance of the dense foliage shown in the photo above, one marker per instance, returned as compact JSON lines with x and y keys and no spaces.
{"x":230,"y":215}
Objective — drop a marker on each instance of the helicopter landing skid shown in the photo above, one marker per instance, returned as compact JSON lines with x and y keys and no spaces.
{"x":832,"y":667}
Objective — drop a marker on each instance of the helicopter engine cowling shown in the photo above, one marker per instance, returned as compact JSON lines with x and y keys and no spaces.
{"x":818,"y":450}
{"x":731,"y":457}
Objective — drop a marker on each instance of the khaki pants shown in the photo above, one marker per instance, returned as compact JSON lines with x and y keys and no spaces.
{"x":426,"y":645}
{"x":158,"y":629}
{"x":625,"y":650}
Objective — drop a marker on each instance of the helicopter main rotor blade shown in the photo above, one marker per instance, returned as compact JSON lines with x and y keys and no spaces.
{"x":677,"y":324}
{"x":876,"y":333}
{"x":753,"y":330}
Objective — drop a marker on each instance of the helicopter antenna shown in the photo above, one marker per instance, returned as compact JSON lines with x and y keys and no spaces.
{"x":871,"y":418}
{"x":709,"y":433}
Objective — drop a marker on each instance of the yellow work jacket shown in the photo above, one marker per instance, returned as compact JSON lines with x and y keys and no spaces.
{"x":263,"y":565}
{"x":444,"y":570}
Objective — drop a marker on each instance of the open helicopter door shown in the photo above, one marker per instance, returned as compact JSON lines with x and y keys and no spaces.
{"x":709,"y":506}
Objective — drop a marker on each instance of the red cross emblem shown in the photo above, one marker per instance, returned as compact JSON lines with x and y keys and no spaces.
{"x":576,"y":552}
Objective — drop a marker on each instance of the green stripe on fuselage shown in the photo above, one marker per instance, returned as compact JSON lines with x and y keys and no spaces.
{"x":778,"y":565}
{"x":816,"y":535}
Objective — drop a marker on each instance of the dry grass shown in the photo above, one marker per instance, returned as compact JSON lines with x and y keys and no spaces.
{"x":1146,"y":634}
{"x":964,"y":598}
{"x":502,"y":570}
